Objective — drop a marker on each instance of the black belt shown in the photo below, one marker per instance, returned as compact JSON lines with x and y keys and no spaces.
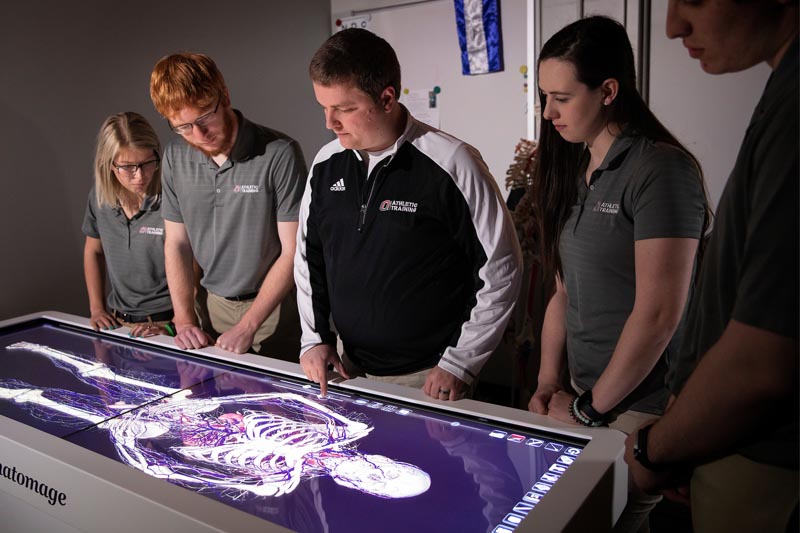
{"x":137,"y":319}
{"x":243,"y":297}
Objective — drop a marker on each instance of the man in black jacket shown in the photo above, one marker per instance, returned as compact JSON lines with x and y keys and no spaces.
{"x":405,"y":248}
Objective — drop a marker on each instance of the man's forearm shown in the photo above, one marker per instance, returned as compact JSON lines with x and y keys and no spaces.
{"x":180,"y":279}
{"x":746,"y":381}
{"x":277,"y":284}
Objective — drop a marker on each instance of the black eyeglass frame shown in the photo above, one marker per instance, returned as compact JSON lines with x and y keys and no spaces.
{"x":187,"y":128}
{"x":130,"y":170}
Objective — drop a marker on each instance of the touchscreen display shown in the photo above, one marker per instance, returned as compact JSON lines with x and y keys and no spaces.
{"x":269,"y":445}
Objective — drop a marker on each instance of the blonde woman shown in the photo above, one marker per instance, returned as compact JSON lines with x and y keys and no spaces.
{"x":124,"y":230}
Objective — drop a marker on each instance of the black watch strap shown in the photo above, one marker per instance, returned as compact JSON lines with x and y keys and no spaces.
{"x":585,"y":404}
{"x":640,"y":449}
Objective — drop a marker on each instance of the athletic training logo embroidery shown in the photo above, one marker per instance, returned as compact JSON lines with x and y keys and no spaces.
{"x":246,"y":188}
{"x":338,"y":186}
{"x":149,"y":230}
{"x":398,"y":205}
{"x":609,"y":208}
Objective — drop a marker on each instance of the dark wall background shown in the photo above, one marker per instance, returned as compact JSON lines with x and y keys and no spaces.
{"x":65,"y":66}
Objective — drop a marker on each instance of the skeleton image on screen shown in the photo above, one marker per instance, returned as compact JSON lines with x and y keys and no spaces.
{"x":256,"y":443}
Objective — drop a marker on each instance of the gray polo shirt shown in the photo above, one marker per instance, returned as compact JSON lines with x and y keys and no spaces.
{"x":642,"y":190}
{"x":231,"y":212}
{"x":134,"y":252}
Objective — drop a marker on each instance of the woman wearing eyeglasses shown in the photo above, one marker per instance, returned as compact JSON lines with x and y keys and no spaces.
{"x":125,"y":231}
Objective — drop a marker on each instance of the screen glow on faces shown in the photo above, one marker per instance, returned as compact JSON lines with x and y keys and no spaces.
{"x":134,"y":168}
{"x":210,"y":130}
{"x":200,"y":122}
{"x":572,"y":107}
{"x":357,"y":120}
{"x":245,"y":438}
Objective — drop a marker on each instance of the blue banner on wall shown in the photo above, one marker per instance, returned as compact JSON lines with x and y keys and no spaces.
{"x":479,"y":36}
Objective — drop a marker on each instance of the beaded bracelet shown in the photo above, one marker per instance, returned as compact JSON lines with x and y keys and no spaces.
{"x":577,"y":415}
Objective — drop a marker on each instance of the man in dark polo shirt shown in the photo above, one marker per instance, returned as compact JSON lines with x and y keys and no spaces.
{"x":733,"y":429}
{"x":232,"y":192}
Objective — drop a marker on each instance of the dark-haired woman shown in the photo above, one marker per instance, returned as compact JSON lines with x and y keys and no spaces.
{"x":620,"y":208}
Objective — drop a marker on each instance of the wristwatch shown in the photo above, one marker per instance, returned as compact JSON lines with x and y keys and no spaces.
{"x":640,"y":450}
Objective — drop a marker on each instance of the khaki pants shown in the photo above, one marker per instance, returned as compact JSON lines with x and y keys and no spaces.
{"x":414,"y":380}
{"x":279,"y":334}
{"x":737,"y":494}
{"x":635,"y":517}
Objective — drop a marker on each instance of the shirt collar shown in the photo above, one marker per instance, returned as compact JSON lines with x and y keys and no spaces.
{"x":619,"y":148}
{"x":150,"y":203}
{"x":243,"y":147}
{"x":245,"y":143}
{"x":411,"y":123}
{"x":786,"y":70}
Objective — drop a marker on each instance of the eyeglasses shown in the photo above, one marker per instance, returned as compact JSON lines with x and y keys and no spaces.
{"x":186,"y":129}
{"x":129,"y":170}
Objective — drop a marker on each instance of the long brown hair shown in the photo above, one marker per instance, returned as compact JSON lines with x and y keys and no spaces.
{"x":598,"y":48}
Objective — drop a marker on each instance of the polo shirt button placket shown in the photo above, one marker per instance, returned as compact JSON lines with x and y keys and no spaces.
{"x":595,"y":175}
{"x":581,"y":205}
{"x":218,"y":202}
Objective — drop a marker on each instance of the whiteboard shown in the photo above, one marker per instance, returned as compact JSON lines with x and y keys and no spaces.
{"x":487,"y":111}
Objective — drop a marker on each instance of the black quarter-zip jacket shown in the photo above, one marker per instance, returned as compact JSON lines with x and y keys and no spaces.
{"x":416,"y":264}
